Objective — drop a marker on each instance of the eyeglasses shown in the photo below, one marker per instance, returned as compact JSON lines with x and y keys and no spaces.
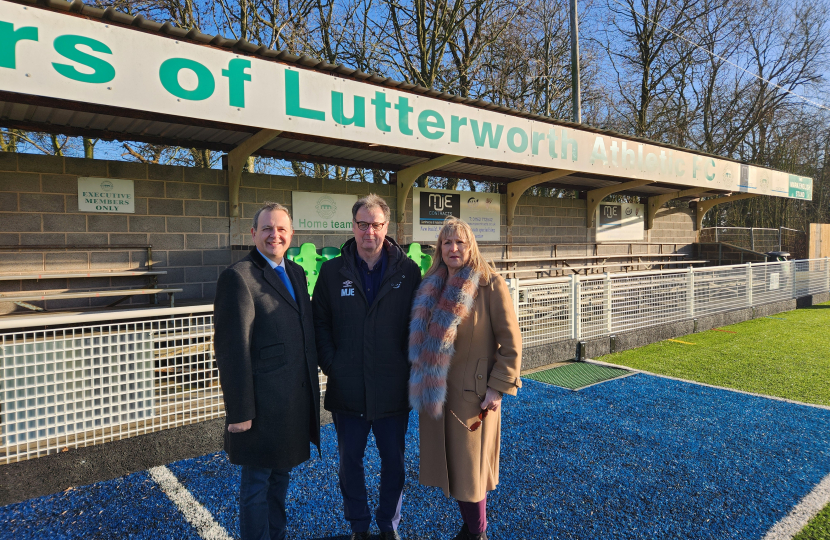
{"x":364,"y":225}
{"x":477,"y":424}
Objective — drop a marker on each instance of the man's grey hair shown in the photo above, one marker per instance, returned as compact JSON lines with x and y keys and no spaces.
{"x":370,"y":202}
{"x":271,"y":206}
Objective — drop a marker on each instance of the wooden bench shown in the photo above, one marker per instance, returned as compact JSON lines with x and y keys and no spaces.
{"x":513,"y":260}
{"x":576,"y":268}
{"x":59,"y":275}
{"x":642,"y":258}
{"x":21,"y":298}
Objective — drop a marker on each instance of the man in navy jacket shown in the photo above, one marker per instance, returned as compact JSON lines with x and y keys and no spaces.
{"x":362,"y":301}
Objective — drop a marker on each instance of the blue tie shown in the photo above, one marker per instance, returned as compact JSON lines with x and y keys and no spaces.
{"x":287,"y":282}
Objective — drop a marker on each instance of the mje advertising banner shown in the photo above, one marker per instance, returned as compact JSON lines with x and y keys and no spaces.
{"x":620,"y":221}
{"x":430,"y":207}
{"x":62,"y":56}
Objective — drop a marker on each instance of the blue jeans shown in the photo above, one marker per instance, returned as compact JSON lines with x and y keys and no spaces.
{"x":262,"y":503}
{"x":390,"y":435}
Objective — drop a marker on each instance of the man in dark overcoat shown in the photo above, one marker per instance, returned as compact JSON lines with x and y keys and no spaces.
{"x":362,"y":301}
{"x":264,"y":343}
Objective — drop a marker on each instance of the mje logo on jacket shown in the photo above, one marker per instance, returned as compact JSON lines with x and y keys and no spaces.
{"x":348,"y":288}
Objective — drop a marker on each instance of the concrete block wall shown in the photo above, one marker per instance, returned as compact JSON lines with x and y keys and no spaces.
{"x":182,"y":212}
{"x":674,"y":226}
{"x":538,"y":218}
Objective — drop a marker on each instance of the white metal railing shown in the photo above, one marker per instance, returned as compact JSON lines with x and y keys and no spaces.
{"x":593,"y":306}
{"x":97,"y":377}
{"x":104,"y":376}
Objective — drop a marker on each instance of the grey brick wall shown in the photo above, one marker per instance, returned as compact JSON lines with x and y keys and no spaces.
{"x":183,"y":213}
{"x":674,"y":226}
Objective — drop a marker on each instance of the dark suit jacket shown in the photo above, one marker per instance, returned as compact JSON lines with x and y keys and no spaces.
{"x":264,"y":343}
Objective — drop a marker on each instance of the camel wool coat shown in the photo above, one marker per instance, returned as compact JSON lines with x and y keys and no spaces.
{"x":488,"y":352}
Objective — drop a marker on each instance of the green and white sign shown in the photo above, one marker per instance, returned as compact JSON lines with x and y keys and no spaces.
{"x":68,"y":57}
{"x":430,"y":207}
{"x":322,"y":211}
{"x":801,"y":187}
{"x":106,"y":195}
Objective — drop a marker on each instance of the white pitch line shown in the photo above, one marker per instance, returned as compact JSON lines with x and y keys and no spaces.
{"x":698,"y":383}
{"x":194,"y":513}
{"x":803,"y":512}
{"x":808,"y":507}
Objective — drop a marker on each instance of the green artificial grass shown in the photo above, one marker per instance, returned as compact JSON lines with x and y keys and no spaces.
{"x":818,"y":528}
{"x":786,"y":355}
{"x":576,"y":376}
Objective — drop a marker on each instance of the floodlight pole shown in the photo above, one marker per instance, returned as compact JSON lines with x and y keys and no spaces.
{"x":577,"y":100}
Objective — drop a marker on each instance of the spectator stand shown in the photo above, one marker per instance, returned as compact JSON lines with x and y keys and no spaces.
{"x":57,"y":297}
{"x":562,"y":259}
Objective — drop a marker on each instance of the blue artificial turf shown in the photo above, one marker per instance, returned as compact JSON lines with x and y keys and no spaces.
{"x":132,"y":506}
{"x":639,"y":457}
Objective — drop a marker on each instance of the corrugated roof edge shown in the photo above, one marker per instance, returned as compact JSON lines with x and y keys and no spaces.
{"x":111,"y":14}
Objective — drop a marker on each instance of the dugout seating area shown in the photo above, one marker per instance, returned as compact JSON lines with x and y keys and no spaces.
{"x":311,"y":258}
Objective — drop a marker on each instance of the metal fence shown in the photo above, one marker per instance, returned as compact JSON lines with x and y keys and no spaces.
{"x":95,"y":378}
{"x":593,"y":306}
{"x":759,"y":239}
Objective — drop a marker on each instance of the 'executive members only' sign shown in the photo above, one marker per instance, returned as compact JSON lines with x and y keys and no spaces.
{"x":106,"y":195}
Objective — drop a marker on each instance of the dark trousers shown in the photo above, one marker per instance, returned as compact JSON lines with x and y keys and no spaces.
{"x":262,"y":503}
{"x":390,"y":435}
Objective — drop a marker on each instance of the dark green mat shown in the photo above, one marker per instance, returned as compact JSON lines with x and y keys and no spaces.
{"x":577,"y":375}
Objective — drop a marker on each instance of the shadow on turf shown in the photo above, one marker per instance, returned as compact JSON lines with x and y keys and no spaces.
{"x":345,"y":537}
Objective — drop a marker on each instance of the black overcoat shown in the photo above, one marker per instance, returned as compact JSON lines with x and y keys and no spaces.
{"x":362,"y":348}
{"x":264,"y":343}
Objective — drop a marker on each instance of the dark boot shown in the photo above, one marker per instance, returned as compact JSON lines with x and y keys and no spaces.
{"x":465,"y":534}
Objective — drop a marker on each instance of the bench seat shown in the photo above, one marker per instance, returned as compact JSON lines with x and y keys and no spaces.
{"x":18,"y":297}
{"x":577,"y":268}
{"x":59,"y":275}
{"x":590,"y":257}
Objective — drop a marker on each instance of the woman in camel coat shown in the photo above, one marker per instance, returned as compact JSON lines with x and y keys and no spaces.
{"x":465,"y":351}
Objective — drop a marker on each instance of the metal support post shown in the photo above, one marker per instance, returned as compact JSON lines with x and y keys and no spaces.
{"x":752,"y":237}
{"x":608,"y":302}
{"x":827,"y":274}
{"x":513,"y":287}
{"x":575,"y":306}
{"x":575,"y":90}
{"x":691,"y":292}
{"x":749,"y":283}
{"x":792,"y":276}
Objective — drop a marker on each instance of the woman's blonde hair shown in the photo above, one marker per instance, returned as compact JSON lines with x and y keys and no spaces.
{"x":454,"y":226}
